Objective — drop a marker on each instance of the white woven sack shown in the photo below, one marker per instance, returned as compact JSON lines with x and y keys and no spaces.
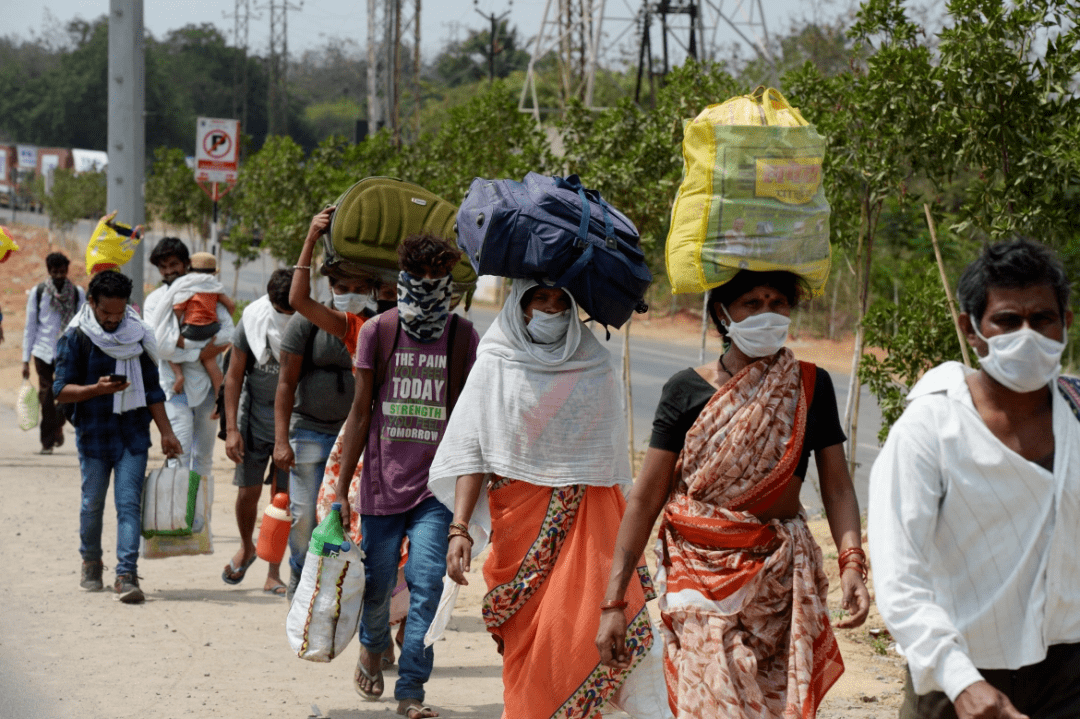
{"x":201,"y":541}
{"x":27,"y":406}
{"x":172,"y":499}
{"x":326,"y":607}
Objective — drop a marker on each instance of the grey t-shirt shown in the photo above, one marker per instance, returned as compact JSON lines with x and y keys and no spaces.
{"x":256,"y":414}
{"x":325,"y":391}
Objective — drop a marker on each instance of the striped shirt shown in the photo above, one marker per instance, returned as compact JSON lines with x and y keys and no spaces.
{"x":973,"y":546}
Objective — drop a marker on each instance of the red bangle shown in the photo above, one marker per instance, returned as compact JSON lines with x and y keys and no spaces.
{"x":847,"y":553}
{"x":613,"y":604}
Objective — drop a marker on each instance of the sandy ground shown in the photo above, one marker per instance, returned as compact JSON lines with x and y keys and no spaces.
{"x":198,"y":647}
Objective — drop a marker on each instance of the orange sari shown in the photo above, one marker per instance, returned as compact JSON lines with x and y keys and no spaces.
{"x":551,"y":553}
{"x":743,"y":601}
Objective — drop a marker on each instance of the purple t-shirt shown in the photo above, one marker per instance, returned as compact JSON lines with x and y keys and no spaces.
{"x":407,"y":421}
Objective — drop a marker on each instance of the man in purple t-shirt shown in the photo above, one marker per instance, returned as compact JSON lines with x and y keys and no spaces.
{"x":398,"y":416}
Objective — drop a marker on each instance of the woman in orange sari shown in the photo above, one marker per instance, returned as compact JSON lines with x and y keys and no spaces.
{"x":534,"y":457}
{"x":740,"y":578}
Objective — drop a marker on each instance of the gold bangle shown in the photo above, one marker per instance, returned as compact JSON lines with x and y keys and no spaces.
{"x":301,"y":267}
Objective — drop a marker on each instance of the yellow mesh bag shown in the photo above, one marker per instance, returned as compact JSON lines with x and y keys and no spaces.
{"x":112,"y":245}
{"x":7,"y":245}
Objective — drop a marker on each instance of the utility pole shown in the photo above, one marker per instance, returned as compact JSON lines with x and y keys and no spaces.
{"x":277,"y":105}
{"x":493,"y":39}
{"x":374,"y":106}
{"x":127,"y":126}
{"x":416,"y":65}
{"x":241,"y":20}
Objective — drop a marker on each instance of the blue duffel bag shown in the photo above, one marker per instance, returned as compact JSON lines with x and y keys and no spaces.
{"x":555,"y":231}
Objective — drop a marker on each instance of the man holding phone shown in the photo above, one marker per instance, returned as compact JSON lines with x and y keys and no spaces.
{"x":106,"y":366}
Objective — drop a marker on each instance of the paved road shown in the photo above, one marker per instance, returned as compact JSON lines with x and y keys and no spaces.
{"x":652,"y":362}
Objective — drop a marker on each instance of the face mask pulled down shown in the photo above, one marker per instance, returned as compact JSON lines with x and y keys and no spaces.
{"x":1023,"y":361}
{"x":760,"y":335}
{"x":546,"y":329}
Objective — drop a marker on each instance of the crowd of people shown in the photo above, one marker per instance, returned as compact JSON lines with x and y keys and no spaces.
{"x":441,"y":444}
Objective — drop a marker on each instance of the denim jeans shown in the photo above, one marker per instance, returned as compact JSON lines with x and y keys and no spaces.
{"x":195,"y":431}
{"x":311,"y":450}
{"x":129,"y":471}
{"x":426,"y":525}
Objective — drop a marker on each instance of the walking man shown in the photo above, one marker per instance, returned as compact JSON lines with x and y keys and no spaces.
{"x":974,"y":514}
{"x":49,"y":308}
{"x":193,"y":411}
{"x":410,"y":363}
{"x":105,"y":364}
{"x":250,"y":387}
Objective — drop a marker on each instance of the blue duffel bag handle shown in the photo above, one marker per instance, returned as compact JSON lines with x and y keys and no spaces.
{"x":583,"y":231}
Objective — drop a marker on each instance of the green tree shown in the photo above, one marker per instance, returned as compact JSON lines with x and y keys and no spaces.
{"x":74,"y":196}
{"x":173,"y":196}
{"x":467,"y":61}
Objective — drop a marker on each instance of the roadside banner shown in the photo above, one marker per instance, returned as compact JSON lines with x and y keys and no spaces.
{"x":217,"y":150}
{"x":27,"y":157}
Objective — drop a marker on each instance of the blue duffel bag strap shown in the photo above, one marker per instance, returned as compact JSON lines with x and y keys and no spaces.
{"x":573,"y":183}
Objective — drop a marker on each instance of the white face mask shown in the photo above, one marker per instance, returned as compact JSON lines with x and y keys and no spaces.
{"x":355,"y":303}
{"x":760,"y":335}
{"x":546,"y":329}
{"x":1023,"y":361}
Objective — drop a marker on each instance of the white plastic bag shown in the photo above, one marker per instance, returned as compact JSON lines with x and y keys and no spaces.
{"x":326,"y":607}
{"x":27,"y":406}
{"x":172,"y":505}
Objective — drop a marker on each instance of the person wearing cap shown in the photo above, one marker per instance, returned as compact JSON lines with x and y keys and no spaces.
{"x":197,"y":315}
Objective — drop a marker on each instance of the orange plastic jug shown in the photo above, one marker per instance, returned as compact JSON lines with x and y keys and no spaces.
{"x":274,"y":532}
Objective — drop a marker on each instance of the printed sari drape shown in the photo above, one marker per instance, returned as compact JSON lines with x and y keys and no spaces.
{"x":744,"y":601}
{"x":550,"y":556}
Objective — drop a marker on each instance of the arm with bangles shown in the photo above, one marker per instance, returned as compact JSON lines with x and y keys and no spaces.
{"x":643,"y":506}
{"x":842,"y":511}
{"x":459,"y":551}
{"x":325,"y":318}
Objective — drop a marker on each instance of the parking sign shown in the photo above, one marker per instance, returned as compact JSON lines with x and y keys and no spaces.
{"x":217,"y":150}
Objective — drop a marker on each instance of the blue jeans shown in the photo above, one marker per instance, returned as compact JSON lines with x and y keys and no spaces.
{"x":311,"y":450}
{"x":129,"y":471}
{"x":426,"y":525}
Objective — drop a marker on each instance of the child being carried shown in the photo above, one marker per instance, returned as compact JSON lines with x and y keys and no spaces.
{"x":198,"y":294}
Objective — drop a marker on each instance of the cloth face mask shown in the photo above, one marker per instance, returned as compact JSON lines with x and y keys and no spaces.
{"x":546,"y":329}
{"x":423,"y":306}
{"x":355,"y":303}
{"x":1023,"y":361}
{"x":760,"y":335}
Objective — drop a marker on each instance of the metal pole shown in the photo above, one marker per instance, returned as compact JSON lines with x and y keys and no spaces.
{"x":214,"y":247}
{"x":127,"y":125}
{"x":374,"y":112}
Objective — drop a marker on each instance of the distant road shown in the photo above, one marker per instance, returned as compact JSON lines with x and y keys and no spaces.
{"x":652,"y":361}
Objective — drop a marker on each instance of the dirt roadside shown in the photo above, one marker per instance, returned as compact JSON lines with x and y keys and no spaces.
{"x":198,"y":647}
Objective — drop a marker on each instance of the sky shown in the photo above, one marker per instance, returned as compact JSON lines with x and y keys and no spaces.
{"x":318,"y":22}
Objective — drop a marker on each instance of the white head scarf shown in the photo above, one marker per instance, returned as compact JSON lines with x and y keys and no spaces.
{"x":263,"y":327}
{"x":125,"y":345}
{"x":550,"y":415}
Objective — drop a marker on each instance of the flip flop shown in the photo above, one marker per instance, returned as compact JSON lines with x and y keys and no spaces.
{"x":414,"y":709}
{"x":375,"y":679}
{"x":278,"y":591}
{"x":237,"y":573}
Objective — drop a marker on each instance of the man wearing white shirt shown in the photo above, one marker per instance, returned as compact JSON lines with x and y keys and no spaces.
{"x":974,"y":515}
{"x":191,"y":412}
{"x":49,"y":309}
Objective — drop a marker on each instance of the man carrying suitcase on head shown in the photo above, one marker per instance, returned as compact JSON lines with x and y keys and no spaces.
{"x":411,"y":362}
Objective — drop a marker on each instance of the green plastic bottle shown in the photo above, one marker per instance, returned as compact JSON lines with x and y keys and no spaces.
{"x":328,"y":539}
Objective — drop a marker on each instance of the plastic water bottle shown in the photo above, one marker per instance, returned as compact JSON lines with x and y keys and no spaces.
{"x":274,"y":532}
{"x":328,"y":539}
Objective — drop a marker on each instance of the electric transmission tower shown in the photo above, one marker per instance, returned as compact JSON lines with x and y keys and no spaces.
{"x":277,"y":101}
{"x":241,"y":21}
{"x":389,"y":21}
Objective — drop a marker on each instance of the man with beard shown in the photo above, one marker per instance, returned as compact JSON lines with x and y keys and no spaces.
{"x":106,"y":366}
{"x":49,"y":308}
{"x":193,"y":411}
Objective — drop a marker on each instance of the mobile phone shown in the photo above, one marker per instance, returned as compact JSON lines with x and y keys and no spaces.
{"x":118,"y":378}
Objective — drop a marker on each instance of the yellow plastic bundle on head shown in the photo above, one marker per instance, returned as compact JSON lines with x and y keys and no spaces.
{"x":7,"y":245}
{"x":111,"y":245}
{"x":751,"y":197}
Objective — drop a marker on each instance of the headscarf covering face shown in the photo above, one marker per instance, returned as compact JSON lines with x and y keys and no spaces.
{"x":423,"y":305}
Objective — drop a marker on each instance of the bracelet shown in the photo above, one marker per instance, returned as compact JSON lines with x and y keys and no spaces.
{"x":613,"y":604}
{"x":860,"y":568}
{"x":845,"y":556}
{"x":301,"y":267}
{"x":455,"y":532}
{"x":460,"y":525}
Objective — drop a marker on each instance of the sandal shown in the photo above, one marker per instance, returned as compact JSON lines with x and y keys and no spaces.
{"x":374,"y":680}
{"x":414,"y":709}
{"x":278,"y":590}
{"x":233,"y":574}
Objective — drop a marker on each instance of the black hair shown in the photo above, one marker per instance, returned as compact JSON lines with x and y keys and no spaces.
{"x":278,"y":288}
{"x":111,"y":284}
{"x":786,"y":283}
{"x":1011,"y":264}
{"x":170,"y":247}
{"x":56,"y":261}
{"x":527,"y":296}
{"x":421,"y":255}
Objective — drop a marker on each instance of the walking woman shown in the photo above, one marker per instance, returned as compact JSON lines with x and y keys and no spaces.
{"x":536,"y":452}
{"x":742,"y":589}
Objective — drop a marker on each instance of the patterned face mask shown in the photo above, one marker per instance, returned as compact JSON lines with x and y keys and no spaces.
{"x":423,"y":306}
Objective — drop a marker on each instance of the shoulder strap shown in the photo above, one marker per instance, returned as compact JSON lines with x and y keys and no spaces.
{"x":809,"y":379}
{"x":1070,"y":389}
{"x":39,"y":290}
{"x":386,"y":336}
{"x":457,"y":351}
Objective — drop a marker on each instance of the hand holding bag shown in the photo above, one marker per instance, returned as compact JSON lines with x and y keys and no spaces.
{"x":325,"y":610}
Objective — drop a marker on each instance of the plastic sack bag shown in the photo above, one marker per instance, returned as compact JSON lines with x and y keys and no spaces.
{"x":198,"y":542}
{"x":171,"y":505}
{"x":325,"y":609}
{"x":111,"y":245}
{"x":751,"y":197}
{"x":7,"y":245}
{"x":27,"y":406}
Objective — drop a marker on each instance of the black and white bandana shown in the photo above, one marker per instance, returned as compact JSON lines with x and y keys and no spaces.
{"x":423,"y":305}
